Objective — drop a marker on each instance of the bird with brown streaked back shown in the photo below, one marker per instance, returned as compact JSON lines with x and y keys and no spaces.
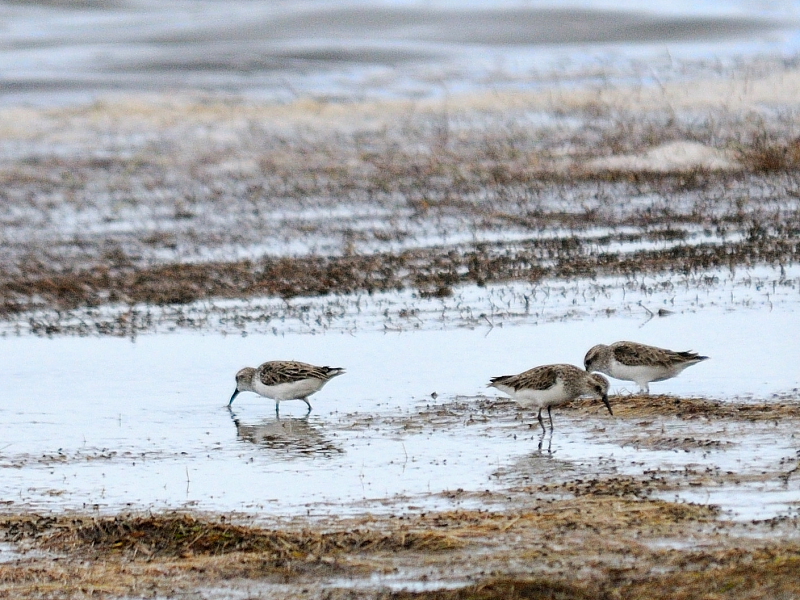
{"x":639,"y":363}
{"x":551,"y":385}
{"x":282,"y":380}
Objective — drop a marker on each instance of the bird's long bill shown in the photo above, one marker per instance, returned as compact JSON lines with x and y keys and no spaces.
{"x":236,"y":393}
{"x":605,"y":401}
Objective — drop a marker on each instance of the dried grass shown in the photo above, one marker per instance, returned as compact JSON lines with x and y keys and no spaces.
{"x":598,"y":508}
{"x":636,"y":406}
{"x":175,"y":554}
{"x":180,"y":535}
{"x":432,"y":271}
{"x":766,"y":154}
{"x":533,"y":589}
{"x":740,"y":576}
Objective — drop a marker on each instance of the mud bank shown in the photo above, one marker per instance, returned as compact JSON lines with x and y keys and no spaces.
{"x":223,"y":203}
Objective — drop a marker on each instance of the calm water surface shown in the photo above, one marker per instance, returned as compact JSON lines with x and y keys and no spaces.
{"x":79,"y":50}
{"x":113,"y":423}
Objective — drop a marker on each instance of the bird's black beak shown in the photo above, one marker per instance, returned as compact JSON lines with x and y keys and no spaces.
{"x":605,"y":401}
{"x":236,"y":393}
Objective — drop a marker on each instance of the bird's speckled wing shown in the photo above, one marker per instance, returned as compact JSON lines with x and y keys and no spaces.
{"x":537,"y":378}
{"x":634,"y":355}
{"x":284,"y":371}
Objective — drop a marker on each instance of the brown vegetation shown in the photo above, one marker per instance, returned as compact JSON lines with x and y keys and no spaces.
{"x":430,"y":271}
{"x":185,"y":535}
{"x":736,"y":575}
{"x":636,"y":406}
{"x":535,"y":553}
{"x":162,"y":222}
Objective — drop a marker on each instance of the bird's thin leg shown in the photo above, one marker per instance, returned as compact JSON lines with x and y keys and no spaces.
{"x":541,"y":422}
{"x":307,"y":404}
{"x":549,"y":441}
{"x":277,"y":409}
{"x":645,"y":389}
{"x":550,"y":417}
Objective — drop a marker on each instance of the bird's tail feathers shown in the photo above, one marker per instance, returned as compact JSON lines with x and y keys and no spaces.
{"x":495,"y":380}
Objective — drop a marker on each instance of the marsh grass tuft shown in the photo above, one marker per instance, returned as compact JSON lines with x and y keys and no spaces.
{"x":177,"y":535}
{"x":636,"y":406}
{"x":504,"y":589}
{"x":766,"y":154}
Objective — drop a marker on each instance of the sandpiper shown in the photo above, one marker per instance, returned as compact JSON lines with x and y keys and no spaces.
{"x":284,"y":380}
{"x":638,"y":362}
{"x":551,"y":385}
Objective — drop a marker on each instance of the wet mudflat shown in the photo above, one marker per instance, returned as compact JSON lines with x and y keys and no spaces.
{"x":97,"y":434}
{"x":153,"y":246}
{"x":137,"y":214}
{"x":574,"y":524}
{"x":386,"y":487}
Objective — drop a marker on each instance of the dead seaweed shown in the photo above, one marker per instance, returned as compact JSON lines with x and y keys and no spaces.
{"x":521,"y":589}
{"x":432,"y":271}
{"x":636,"y":406}
{"x":738,"y":575}
{"x":182,"y":535}
{"x":532,"y":553}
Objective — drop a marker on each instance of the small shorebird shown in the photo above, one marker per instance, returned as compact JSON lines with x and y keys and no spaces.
{"x":638,"y":362}
{"x":551,"y":385}
{"x":284,"y":380}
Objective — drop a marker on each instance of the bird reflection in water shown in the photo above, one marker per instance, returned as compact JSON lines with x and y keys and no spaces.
{"x":291,"y":437}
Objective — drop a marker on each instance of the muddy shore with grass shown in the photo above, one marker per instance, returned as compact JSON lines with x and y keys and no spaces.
{"x":145,"y":216}
{"x":157,"y":202}
{"x":578,"y":535}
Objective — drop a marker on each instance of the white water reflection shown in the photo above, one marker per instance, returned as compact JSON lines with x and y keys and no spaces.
{"x":111,"y":423}
{"x":287,"y":438}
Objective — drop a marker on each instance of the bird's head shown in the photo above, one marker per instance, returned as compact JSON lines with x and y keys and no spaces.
{"x":598,"y":386}
{"x":244,"y":382}
{"x":596,"y":358}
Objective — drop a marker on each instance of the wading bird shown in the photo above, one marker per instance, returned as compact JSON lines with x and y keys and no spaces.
{"x":284,"y":380}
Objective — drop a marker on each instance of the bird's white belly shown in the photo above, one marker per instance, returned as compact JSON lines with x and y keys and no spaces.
{"x":541,"y":398}
{"x":641,"y":374}
{"x":288,"y":391}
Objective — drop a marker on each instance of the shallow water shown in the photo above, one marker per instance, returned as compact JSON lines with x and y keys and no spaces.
{"x":107,"y":423}
{"x":76,"y":50}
